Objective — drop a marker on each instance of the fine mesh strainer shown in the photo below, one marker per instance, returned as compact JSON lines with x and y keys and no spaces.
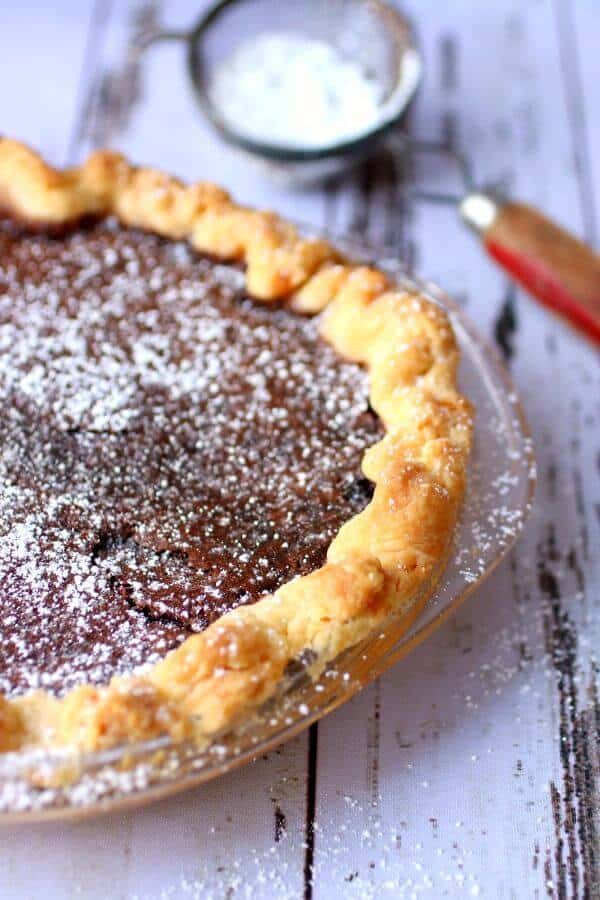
{"x":554,"y":266}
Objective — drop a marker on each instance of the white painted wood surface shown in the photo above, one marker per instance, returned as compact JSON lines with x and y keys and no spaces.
{"x":472,"y":768}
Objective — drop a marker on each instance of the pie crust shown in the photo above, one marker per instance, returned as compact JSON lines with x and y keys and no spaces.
{"x":379,"y":559}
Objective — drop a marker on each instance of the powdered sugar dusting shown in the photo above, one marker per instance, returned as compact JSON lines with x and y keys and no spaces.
{"x":171,"y":450}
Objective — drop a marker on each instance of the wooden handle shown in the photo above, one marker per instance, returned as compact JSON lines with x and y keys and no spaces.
{"x":557,"y":268}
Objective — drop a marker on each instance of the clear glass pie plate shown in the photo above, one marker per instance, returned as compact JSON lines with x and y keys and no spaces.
{"x":44,"y":785}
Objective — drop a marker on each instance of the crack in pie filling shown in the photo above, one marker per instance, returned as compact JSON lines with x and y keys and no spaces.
{"x":222,"y":445}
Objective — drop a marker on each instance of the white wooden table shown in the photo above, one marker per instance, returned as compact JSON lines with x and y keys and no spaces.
{"x":472,"y":768}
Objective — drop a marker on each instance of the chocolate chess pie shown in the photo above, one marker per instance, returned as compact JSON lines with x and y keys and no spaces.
{"x":223,"y":446}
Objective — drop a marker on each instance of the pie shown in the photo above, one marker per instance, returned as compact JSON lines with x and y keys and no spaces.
{"x":224,"y":449}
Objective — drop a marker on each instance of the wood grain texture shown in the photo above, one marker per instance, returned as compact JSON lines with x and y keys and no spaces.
{"x":472,"y":768}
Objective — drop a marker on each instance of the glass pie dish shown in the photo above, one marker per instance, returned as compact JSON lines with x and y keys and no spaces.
{"x":37,"y":785}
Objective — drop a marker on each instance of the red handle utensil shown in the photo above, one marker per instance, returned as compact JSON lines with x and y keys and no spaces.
{"x":555,"y":267}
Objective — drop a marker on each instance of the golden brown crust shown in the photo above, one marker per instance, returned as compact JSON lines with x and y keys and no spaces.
{"x":91,"y":718}
{"x":379,"y":559}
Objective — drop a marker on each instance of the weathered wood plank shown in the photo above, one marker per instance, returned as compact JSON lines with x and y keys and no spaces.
{"x":41,"y":66}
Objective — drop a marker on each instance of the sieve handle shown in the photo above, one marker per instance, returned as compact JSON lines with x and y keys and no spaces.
{"x":555,"y":267}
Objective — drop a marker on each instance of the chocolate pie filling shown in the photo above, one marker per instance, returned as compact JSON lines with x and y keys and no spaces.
{"x":169,"y":450}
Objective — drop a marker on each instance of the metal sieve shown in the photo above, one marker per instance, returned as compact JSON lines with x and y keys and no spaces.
{"x":554,"y":266}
